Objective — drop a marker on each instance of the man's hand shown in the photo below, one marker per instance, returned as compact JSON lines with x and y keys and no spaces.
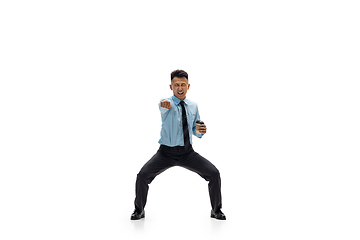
{"x":165,"y":104}
{"x":202,"y":128}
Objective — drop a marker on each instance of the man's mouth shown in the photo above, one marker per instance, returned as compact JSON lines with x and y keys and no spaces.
{"x":180,"y":93}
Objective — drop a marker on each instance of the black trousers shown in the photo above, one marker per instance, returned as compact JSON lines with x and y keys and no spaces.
{"x":167,"y":157}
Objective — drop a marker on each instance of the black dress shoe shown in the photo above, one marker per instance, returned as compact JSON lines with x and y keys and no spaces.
{"x":218,"y":215}
{"x":136,"y":215}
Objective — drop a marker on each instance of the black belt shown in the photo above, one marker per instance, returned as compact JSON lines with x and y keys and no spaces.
{"x":174,"y":148}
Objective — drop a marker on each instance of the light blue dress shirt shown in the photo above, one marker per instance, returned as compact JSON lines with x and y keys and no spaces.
{"x":172,"y":128}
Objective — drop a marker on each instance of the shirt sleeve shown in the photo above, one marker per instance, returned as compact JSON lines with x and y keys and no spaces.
{"x":197,"y":117}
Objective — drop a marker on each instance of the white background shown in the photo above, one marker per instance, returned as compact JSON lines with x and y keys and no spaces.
{"x":277,"y":83}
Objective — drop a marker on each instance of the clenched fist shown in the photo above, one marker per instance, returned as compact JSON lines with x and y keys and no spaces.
{"x":165,"y":104}
{"x":202,"y":128}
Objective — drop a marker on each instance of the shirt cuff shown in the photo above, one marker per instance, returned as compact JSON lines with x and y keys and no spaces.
{"x":199,"y":135}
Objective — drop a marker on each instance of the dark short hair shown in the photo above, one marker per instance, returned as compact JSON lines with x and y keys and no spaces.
{"x":179,"y":74}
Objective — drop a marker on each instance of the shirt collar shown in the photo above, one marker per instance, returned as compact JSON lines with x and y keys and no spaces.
{"x":177,"y":101}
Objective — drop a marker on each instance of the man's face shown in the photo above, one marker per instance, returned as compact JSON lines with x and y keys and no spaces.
{"x":179,"y":86}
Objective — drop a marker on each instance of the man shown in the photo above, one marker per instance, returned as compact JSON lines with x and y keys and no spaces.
{"x":179,"y":116}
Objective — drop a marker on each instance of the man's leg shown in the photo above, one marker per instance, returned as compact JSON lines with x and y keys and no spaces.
{"x":196,"y":163}
{"x":156,"y":165}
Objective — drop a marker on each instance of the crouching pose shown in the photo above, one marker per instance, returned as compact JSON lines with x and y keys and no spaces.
{"x":179,"y":116}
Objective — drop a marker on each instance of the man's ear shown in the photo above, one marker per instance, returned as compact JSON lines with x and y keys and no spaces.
{"x":188,"y":86}
{"x":170,"y":87}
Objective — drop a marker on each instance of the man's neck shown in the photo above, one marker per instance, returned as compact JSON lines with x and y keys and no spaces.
{"x":180,"y":99}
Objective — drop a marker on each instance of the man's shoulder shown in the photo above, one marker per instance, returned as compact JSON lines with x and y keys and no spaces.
{"x":187,"y":101}
{"x":192,"y":106}
{"x":191,"y":103}
{"x":168,"y":99}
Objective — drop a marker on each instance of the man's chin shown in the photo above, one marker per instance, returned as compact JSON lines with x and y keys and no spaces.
{"x":181,"y":97}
